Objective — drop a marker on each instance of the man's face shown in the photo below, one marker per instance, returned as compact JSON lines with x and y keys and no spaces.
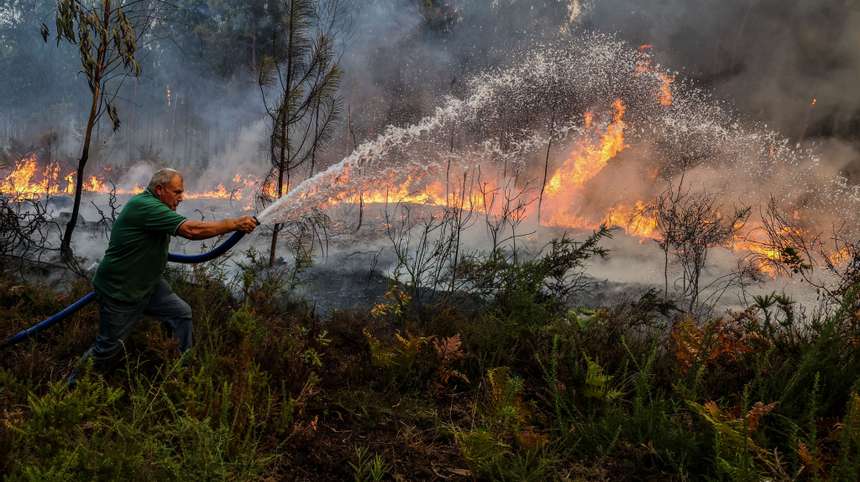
{"x":171,"y":193}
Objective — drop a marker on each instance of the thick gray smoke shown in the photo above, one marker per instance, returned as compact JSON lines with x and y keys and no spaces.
{"x":767,"y":58}
{"x":771,"y":58}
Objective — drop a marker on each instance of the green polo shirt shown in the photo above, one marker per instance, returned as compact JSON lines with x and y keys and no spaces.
{"x":137,"y":252}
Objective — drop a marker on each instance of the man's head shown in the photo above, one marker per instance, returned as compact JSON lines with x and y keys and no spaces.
{"x":166,"y":184}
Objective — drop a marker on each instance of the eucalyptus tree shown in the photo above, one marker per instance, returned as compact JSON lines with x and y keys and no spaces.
{"x":107,"y":33}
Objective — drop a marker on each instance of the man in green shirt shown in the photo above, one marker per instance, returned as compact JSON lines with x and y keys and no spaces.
{"x":129,"y":282}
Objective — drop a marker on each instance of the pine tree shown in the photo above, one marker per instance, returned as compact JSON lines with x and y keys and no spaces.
{"x":305,"y":85}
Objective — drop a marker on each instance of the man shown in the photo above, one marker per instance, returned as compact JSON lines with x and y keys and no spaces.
{"x":129,"y":282}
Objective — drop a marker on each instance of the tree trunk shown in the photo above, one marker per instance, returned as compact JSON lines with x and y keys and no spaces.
{"x":546,"y":165}
{"x":281,"y":168}
{"x":66,"y":245}
{"x":666,"y":274}
{"x":284,"y":160}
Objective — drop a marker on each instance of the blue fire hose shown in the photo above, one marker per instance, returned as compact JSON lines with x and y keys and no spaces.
{"x":77,"y":305}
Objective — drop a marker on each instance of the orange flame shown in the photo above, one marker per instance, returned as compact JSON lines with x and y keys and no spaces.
{"x":27,"y":181}
{"x":644,"y":66}
{"x":22,"y":182}
{"x":564,"y":203}
{"x":666,"y":89}
{"x":587,"y":159}
{"x":635,"y":220}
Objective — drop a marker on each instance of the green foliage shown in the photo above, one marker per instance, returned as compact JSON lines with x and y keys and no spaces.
{"x":96,"y":431}
{"x":105,"y":37}
{"x":245,"y":325}
{"x":538,"y":286}
{"x":481,"y":449}
{"x":848,"y":459}
{"x":299,"y":82}
{"x":504,"y":446}
{"x":403,"y":360}
{"x":625,"y":392}
{"x":597,"y":383}
{"x":524,"y":297}
{"x":366,"y":468}
{"x":505,"y":411}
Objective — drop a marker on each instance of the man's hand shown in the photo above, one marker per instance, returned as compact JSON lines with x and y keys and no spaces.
{"x":246,"y":224}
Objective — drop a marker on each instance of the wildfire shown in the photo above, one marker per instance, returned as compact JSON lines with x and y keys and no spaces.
{"x":666,"y":89}
{"x":94,"y":184}
{"x":433,"y":194}
{"x":587,"y":160}
{"x":220,"y":192}
{"x":764,"y":256}
{"x":27,"y":181}
{"x":564,"y":204}
{"x":635,"y":220}
{"x":644,"y":66}
{"x":840,"y":256}
{"x":22,"y":182}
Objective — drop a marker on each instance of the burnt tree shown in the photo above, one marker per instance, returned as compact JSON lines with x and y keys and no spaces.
{"x":690,"y":225}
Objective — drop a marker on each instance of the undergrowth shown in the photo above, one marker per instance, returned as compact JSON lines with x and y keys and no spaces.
{"x":517,"y":384}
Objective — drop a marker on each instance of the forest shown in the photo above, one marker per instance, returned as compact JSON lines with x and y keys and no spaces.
{"x":577,"y":240}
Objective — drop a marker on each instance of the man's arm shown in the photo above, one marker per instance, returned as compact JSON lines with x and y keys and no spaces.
{"x":191,"y":229}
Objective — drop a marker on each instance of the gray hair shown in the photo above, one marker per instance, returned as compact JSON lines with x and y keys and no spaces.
{"x":162,"y":177}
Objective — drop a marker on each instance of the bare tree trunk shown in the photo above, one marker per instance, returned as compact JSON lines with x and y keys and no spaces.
{"x":459,"y":228}
{"x":360,"y":193}
{"x":698,"y":265}
{"x":545,"y":174}
{"x":666,"y":273}
{"x":360,"y":211}
{"x":448,"y":170}
{"x":66,"y":244}
{"x":284,"y":159}
{"x":545,"y":166}
{"x":694,"y":291}
{"x":282,"y":167}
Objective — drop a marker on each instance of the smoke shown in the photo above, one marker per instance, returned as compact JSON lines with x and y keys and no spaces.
{"x":181,"y":112}
{"x":503,"y":119}
{"x":247,"y":154}
{"x":768,"y":57}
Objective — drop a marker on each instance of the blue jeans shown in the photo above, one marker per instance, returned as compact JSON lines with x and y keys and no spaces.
{"x":117,"y":319}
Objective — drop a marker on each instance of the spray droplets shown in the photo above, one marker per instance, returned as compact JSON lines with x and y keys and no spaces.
{"x":561,"y":95}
